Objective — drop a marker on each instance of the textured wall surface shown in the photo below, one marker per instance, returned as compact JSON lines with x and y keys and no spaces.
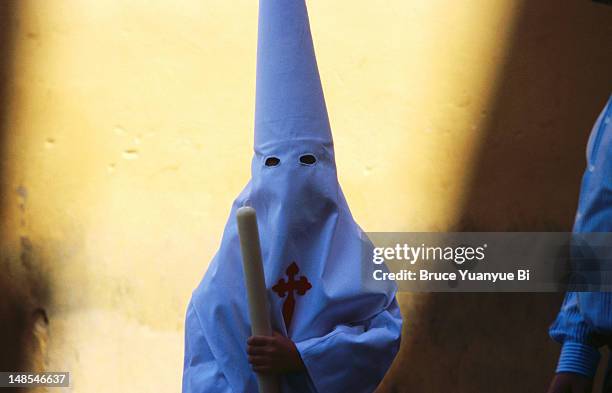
{"x":126,"y":132}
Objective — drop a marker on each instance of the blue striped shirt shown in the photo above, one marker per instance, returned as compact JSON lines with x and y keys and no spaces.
{"x":585,"y":320}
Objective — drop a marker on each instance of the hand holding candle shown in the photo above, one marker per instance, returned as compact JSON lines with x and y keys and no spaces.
{"x":255,"y":286}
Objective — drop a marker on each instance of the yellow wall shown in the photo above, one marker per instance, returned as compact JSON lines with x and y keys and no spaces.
{"x":129,"y":133}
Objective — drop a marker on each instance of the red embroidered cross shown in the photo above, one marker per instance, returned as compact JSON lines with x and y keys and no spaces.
{"x":301,"y":286}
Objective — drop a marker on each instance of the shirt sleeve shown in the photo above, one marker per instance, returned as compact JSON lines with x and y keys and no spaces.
{"x":355,"y":357}
{"x":579,"y":352}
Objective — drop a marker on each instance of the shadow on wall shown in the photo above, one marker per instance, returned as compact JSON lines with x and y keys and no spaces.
{"x":23,"y":322}
{"x":554,"y":82}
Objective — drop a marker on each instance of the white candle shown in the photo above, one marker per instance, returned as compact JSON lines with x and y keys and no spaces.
{"x":254,"y":279}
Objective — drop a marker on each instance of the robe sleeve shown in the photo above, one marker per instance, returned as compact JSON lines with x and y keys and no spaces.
{"x":200,"y":370}
{"x":355,"y":357}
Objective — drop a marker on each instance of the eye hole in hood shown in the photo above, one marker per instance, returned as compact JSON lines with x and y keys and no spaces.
{"x":308,"y":159}
{"x":272,"y":161}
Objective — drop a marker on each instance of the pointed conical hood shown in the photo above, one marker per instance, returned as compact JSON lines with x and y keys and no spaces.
{"x":289,"y":100}
{"x":310,"y":244}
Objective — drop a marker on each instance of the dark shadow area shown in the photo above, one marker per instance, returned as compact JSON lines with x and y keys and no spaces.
{"x":555,"y":80}
{"x":22,"y":323}
{"x":470,"y":342}
{"x":7,"y":30}
{"x":12,"y":315}
{"x":554,"y":84}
